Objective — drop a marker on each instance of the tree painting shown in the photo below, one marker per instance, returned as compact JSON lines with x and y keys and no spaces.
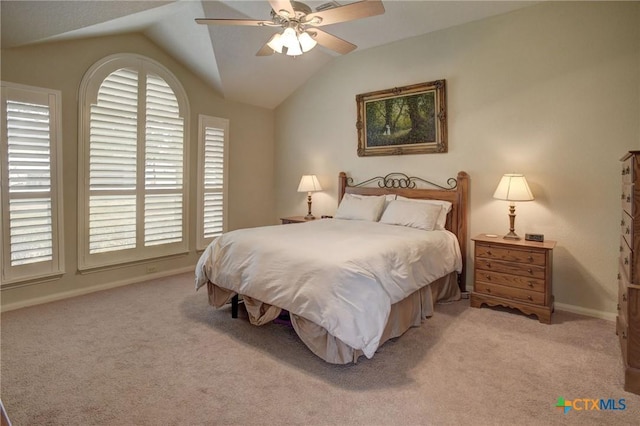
{"x":401,"y":120}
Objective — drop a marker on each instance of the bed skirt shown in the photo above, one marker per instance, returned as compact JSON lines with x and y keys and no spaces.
{"x":405,"y":314}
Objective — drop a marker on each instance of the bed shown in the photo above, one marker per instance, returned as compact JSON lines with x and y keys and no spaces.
{"x":395,"y":247}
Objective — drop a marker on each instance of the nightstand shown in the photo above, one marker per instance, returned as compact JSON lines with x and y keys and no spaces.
{"x":295,"y":219}
{"x":514,"y":274}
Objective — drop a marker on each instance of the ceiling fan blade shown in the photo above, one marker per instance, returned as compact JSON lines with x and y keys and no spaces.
{"x":280,"y":5}
{"x":332,"y":42}
{"x":265,"y":51}
{"x":250,"y":22}
{"x":349,"y":12}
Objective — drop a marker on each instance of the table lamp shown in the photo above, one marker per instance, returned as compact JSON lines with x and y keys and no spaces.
{"x":309,"y":184}
{"x":513,"y":187}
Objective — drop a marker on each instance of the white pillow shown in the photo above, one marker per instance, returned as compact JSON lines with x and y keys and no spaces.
{"x":446,"y":208}
{"x":408,"y":213}
{"x":387,"y":198}
{"x":359,"y":207}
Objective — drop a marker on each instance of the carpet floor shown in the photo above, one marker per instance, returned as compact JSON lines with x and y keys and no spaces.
{"x":156,"y":353}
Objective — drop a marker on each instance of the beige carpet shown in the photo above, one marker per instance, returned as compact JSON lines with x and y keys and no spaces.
{"x":155,"y":353}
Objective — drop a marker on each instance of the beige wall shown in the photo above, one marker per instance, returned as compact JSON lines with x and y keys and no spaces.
{"x":550,"y":91}
{"x":61,"y":66}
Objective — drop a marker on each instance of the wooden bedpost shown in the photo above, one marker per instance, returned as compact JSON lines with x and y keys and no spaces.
{"x":342,"y":185}
{"x":463,"y":200}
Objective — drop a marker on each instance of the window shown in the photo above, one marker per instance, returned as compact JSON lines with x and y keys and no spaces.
{"x":213,"y":137}
{"x":132,"y":163}
{"x":31,"y":189}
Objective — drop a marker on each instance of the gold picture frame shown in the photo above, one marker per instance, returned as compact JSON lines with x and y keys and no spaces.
{"x":403,"y":120}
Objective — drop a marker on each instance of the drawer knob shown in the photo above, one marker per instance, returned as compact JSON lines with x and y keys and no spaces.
{"x":488,"y":290}
{"x":619,"y":275}
{"x":530,"y":284}
{"x":488,"y":264}
{"x":628,"y":230}
{"x":628,"y":198}
{"x":626,"y":260}
{"x":624,"y":334}
{"x":622,"y":222}
{"x":529,"y":297}
{"x":618,"y":306}
{"x":624,"y":297}
{"x":488,"y":277}
{"x":620,"y":248}
{"x":622,"y":196}
{"x":530,"y":258}
{"x":530,"y":271}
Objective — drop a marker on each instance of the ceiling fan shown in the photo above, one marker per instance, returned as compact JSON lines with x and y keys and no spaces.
{"x":299,"y":23}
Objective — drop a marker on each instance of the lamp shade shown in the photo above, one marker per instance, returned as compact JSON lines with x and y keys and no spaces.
{"x":276,"y":43}
{"x":306,"y":42}
{"x":309,"y":183}
{"x":513,"y":187}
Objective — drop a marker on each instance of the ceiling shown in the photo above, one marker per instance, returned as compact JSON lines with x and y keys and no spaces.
{"x":224,"y":56}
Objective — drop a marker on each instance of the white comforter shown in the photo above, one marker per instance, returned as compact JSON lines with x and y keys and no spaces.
{"x":342,"y":275}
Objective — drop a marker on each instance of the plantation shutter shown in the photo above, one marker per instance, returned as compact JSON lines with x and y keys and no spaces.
{"x":29,"y":167}
{"x":113,"y":142}
{"x":30,"y":196}
{"x":133,"y":201}
{"x":163,"y":164}
{"x":212,"y":180}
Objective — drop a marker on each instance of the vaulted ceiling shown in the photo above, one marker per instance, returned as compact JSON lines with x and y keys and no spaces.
{"x":224,"y":56}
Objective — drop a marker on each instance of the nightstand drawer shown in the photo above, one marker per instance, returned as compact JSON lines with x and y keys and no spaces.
{"x":516,"y":281}
{"x":511,"y":255}
{"x":510,"y":293}
{"x":530,"y":271}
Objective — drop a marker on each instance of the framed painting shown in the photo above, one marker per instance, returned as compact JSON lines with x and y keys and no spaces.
{"x":403,"y":120}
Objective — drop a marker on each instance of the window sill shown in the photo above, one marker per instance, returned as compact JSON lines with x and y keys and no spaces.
{"x":84,"y":270}
{"x":27,"y":281}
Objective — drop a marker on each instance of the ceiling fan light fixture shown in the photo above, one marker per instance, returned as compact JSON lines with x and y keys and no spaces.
{"x":306,"y":41}
{"x":276,"y":43}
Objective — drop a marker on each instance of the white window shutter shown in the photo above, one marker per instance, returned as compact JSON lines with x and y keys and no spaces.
{"x":133,"y":205}
{"x":31,"y":185}
{"x":163,"y":165}
{"x":29,"y":167}
{"x":213,"y":181}
{"x":113,"y":141}
{"x":213,"y":140}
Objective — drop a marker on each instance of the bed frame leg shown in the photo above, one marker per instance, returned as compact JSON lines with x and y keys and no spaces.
{"x":234,"y":306}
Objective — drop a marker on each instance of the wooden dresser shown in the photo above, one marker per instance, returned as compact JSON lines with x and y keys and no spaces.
{"x":628,"y":319}
{"x":514,"y":274}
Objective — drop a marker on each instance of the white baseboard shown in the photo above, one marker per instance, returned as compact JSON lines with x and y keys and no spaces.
{"x":609,"y":316}
{"x":82,"y":291}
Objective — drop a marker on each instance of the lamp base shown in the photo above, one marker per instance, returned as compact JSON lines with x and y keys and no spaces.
{"x":511,"y":236}
{"x":309,"y":217}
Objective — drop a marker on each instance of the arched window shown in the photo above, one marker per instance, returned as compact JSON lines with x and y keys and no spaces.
{"x":132,"y":202}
